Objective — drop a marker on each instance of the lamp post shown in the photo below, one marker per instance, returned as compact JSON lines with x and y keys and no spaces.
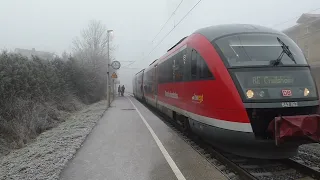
{"x":108,"y":62}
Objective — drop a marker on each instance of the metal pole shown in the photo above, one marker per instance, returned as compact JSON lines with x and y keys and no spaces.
{"x":113,"y":87}
{"x":108,"y":81}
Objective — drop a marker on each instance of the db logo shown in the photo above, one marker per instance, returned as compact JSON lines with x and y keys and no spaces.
{"x":286,"y":92}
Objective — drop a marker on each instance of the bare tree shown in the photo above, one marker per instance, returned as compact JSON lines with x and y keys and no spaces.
{"x":65,"y":56}
{"x":92,"y":45}
{"x":91,"y":52}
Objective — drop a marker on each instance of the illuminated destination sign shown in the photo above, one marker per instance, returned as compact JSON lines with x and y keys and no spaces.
{"x":275,"y":78}
{"x":272,"y":80}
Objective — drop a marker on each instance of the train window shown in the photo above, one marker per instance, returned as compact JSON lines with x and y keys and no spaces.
{"x":174,"y":67}
{"x":203,"y":69}
{"x":186,"y":65}
{"x":177,"y":67}
{"x":164,"y":73}
{"x":167,"y":72}
{"x":160,"y":75}
{"x":169,"y":75}
{"x":194,"y":64}
{"x":199,"y":68}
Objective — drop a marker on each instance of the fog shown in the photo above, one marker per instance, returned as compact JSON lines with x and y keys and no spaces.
{"x":52,"y":25}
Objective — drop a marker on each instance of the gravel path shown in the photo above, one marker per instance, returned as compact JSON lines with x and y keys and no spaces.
{"x":47,"y":156}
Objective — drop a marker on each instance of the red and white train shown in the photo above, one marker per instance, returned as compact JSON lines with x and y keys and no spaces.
{"x":243,"y":87}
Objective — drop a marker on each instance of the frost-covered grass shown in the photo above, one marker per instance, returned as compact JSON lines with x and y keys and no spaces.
{"x":35,"y":94}
{"x":46,"y":157}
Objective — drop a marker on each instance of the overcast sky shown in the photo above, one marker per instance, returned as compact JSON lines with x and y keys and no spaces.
{"x":51,"y":25}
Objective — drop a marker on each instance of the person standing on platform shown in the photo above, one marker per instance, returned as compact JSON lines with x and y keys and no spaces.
{"x":122,"y":90}
{"x":119,"y":90}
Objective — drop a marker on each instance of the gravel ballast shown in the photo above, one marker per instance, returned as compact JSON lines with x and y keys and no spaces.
{"x":312,"y":149}
{"x":46,"y":157}
{"x":310,"y":155}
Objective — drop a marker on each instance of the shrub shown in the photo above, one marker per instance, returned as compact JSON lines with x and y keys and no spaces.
{"x":33,"y":91}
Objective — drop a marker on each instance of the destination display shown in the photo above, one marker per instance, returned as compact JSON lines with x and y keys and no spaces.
{"x":272,"y":80}
{"x":276,"y":84}
{"x":254,"y":79}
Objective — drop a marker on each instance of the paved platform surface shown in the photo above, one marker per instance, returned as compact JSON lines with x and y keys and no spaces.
{"x":135,"y":144}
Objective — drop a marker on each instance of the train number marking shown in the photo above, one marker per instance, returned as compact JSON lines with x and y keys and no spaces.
{"x":289,"y":104}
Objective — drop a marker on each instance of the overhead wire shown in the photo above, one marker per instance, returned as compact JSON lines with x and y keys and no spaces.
{"x":173,"y":13}
{"x":174,"y":27}
{"x":169,"y":32}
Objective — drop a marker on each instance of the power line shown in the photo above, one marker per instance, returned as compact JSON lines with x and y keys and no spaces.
{"x":129,"y":64}
{"x":161,"y":27}
{"x":294,"y":18}
{"x":169,"y":32}
{"x":168,"y":19}
{"x":174,"y":27}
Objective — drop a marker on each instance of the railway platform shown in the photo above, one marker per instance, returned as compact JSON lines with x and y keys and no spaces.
{"x":130,"y":142}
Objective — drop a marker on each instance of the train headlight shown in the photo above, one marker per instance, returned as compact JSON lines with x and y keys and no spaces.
{"x":250,"y":93}
{"x":306,"y":92}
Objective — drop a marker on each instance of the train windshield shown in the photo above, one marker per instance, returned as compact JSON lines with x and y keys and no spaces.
{"x":258,"y":50}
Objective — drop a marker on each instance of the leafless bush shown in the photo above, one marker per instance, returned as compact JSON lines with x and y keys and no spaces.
{"x":34,"y":93}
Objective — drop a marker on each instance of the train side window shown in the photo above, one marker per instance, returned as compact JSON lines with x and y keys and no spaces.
{"x":203,"y":68}
{"x":168,"y":71}
{"x":182,"y":65}
{"x":174,"y":66}
{"x":194,"y":64}
{"x":165,"y":74}
{"x":186,"y":64}
{"x":160,"y":75}
{"x":155,"y":85}
{"x":162,"y":72}
{"x":177,"y":67}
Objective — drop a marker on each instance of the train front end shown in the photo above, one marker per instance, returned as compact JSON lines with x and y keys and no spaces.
{"x":278,"y":91}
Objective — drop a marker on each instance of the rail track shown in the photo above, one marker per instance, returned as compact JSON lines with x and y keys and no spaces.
{"x":236,"y":167}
